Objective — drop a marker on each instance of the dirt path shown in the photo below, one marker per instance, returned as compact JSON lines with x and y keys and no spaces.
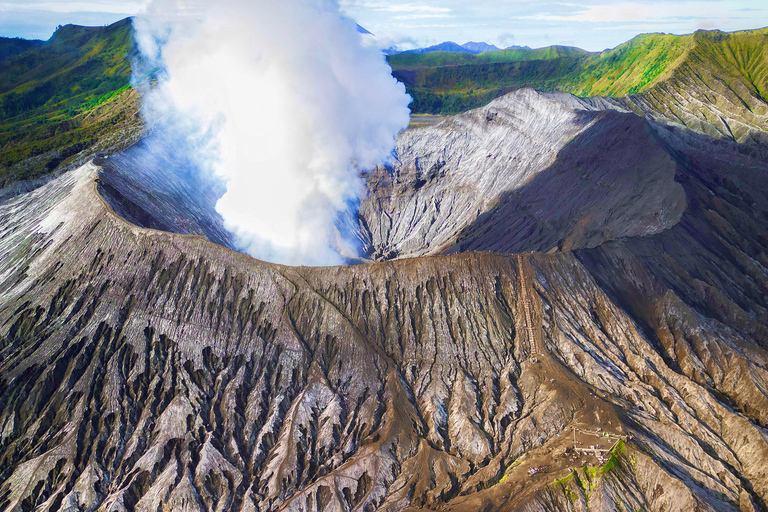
{"x":535,"y":345}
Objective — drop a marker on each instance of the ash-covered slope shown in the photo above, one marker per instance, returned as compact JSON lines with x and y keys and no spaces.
{"x":547,"y":172}
{"x":145,"y":370}
{"x":155,"y":185}
{"x":527,"y":172}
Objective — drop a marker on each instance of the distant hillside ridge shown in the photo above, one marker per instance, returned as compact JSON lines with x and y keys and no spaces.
{"x":64,"y":96}
{"x":449,"y":83}
{"x":471,"y":47}
{"x":718,"y":87}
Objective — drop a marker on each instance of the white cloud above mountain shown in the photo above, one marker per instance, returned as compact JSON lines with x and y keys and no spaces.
{"x":590,"y":24}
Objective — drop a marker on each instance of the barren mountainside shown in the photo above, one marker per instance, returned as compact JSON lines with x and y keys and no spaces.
{"x":147,"y":370}
{"x":526,"y":172}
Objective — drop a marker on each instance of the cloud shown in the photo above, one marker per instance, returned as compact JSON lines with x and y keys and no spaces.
{"x":591,"y":24}
{"x":105,"y":7}
{"x":421,"y":16}
{"x":533,"y":23}
{"x":291,"y":106}
{"x":37,"y":19}
{"x":506,"y":39}
{"x":637,"y":12}
{"x":413,"y":8}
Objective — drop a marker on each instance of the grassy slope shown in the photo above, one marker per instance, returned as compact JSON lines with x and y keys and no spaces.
{"x":630,"y":67}
{"x":727,"y":72}
{"x":750,"y":55}
{"x":449,"y":84}
{"x":420,"y":60}
{"x":739,"y":57}
{"x":61,"y":97}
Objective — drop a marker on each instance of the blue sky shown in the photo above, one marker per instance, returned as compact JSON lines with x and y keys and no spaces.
{"x":590,"y":24}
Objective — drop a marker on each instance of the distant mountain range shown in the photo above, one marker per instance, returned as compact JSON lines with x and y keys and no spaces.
{"x":660,"y":66}
{"x":450,"y":46}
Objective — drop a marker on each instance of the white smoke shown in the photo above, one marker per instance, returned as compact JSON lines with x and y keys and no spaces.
{"x":294,"y":104}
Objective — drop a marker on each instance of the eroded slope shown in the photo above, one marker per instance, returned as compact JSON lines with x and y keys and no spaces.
{"x":527,"y":172}
{"x":144,"y":370}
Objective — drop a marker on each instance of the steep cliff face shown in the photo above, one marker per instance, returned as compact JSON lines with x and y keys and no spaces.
{"x":146,"y":370}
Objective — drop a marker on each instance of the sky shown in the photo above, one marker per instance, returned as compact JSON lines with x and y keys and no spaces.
{"x":590,"y":24}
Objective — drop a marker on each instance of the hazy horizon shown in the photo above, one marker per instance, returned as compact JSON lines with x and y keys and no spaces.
{"x":592,"y":25}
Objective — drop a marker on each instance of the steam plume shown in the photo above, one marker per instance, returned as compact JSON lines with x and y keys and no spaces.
{"x":289,"y":104}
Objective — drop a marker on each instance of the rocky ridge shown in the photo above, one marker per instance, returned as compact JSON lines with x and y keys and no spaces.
{"x":526,"y":172}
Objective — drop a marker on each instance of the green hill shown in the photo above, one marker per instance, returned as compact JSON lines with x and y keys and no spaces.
{"x":63,"y":96}
{"x":719,"y":87}
{"x":450,"y":83}
{"x":432,"y":59}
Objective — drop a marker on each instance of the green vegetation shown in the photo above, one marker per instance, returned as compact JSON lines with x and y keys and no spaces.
{"x":61,"y":97}
{"x":509,"y":468}
{"x":431,"y":59}
{"x":567,"y":478}
{"x":591,"y":474}
{"x":629,"y":68}
{"x":736,"y":57}
{"x":447,"y":83}
{"x":14,"y":46}
{"x":618,"y":450}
